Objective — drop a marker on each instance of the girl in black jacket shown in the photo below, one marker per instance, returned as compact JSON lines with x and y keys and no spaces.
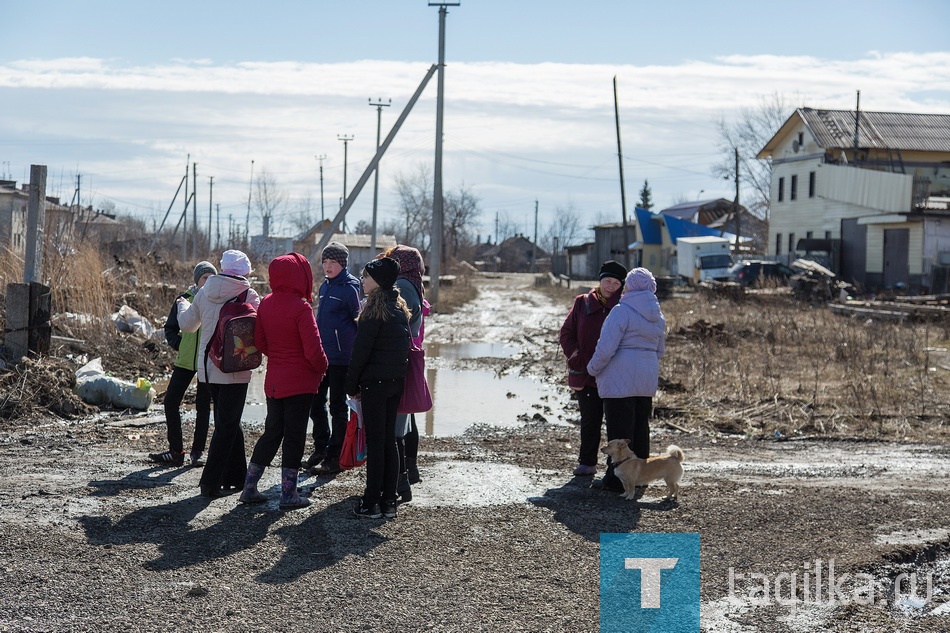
{"x":376,"y":375}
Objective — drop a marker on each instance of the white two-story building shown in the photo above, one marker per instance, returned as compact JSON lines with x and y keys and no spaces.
{"x":870,"y":190}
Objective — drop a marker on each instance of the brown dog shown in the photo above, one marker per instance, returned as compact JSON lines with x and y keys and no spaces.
{"x":634,"y":471}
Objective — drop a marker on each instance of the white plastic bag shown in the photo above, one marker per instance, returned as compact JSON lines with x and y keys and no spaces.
{"x":94,"y":387}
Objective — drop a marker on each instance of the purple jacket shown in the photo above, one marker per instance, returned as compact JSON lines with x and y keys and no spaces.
{"x":579,"y":336}
{"x":627,"y":359}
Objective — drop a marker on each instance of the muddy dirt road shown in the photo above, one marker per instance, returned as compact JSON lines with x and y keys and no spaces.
{"x":499,"y":535}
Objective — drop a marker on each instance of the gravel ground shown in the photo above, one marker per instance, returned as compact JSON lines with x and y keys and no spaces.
{"x":499,"y":535}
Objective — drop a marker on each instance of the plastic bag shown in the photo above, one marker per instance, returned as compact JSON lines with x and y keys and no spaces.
{"x":94,"y":387}
{"x":353,"y":451}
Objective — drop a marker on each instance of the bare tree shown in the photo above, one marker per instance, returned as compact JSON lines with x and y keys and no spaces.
{"x":460,"y":222}
{"x":415,"y":209}
{"x":565,"y":229}
{"x":505,"y":227}
{"x":414,"y":223}
{"x":749,"y":133}
{"x":268,"y":198}
{"x":303,"y":217}
{"x":363,"y":228}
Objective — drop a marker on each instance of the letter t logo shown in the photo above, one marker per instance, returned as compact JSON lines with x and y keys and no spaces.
{"x":650,"y":578}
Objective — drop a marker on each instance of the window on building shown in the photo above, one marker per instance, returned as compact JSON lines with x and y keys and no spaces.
{"x":781,"y":189}
{"x":808,"y":235}
{"x":793,"y":189}
{"x":811,"y":184}
{"x":801,"y":139}
{"x":827,"y":235}
{"x":791,"y":243}
{"x":778,"y":243}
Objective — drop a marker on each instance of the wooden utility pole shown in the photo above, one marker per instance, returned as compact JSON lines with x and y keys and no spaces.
{"x":534,"y":244}
{"x":210,"y":206}
{"x":623,"y":194}
{"x":194,"y":210}
{"x":184,"y":216}
{"x":35,"y":223}
{"x":379,"y":121}
{"x":737,"y":207}
{"x":321,"y":158}
{"x":435,"y":253}
{"x":250,"y":187}
{"x":28,"y":304}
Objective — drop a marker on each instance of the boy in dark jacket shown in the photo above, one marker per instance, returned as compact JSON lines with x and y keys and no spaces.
{"x":186,"y":344}
{"x":338,"y":307}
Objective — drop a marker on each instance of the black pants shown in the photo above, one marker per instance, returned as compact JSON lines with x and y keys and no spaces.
{"x":226,"y":465}
{"x":177,"y":386}
{"x":379,"y":399}
{"x":332,"y":389}
{"x":592,"y":418}
{"x":629,"y":419}
{"x":286,"y":423}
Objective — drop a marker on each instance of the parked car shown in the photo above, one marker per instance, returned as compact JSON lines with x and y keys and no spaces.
{"x":749,"y":273}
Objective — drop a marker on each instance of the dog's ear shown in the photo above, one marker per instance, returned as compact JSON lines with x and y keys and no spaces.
{"x":628,"y":443}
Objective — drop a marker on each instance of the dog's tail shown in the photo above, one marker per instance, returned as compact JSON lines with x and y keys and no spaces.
{"x":676,"y":453}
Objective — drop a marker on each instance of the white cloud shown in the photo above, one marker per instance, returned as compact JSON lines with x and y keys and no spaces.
{"x":513,"y":131}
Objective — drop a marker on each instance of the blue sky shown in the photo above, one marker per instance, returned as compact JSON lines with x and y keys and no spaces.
{"x":123,"y":92}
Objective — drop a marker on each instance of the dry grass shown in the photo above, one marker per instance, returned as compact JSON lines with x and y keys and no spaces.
{"x":764,"y":363}
{"x":456,"y":294}
{"x":768,"y":364}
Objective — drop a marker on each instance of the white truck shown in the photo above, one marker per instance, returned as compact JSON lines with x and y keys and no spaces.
{"x":703,"y":258}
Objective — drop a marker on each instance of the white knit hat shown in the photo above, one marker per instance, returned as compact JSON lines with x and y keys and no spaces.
{"x":235,"y":263}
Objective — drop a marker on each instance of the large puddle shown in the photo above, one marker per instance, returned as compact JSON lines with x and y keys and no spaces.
{"x":462,"y":397}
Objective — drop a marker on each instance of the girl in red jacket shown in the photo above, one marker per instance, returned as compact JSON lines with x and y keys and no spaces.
{"x":286,"y":332}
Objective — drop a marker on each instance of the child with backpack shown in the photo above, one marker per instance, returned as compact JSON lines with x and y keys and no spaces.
{"x":226,"y":466}
{"x":286,"y":332}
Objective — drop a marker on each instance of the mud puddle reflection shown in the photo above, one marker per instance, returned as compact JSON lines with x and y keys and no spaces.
{"x":462,"y":396}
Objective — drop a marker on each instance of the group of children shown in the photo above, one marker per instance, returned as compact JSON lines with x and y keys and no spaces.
{"x":352,"y":344}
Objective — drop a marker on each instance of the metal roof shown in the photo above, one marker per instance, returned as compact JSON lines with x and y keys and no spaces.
{"x":834,"y":129}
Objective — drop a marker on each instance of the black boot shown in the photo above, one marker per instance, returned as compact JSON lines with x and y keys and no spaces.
{"x":403,"y":489}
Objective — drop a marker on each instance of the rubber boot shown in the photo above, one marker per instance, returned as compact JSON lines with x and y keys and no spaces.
{"x":250,"y":493}
{"x":289,"y":495}
{"x":403,"y":489}
{"x":411,"y":444}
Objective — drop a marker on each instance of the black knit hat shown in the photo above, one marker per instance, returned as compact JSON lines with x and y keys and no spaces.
{"x":335,"y":251}
{"x":383,"y":271}
{"x":613,"y":269}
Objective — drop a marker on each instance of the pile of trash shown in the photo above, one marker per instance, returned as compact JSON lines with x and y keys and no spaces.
{"x":38,"y":387}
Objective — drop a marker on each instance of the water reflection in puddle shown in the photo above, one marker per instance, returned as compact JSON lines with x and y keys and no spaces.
{"x":461,"y":397}
{"x":463,"y":351}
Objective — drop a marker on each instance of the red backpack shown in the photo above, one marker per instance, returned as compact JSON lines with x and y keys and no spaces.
{"x":231,"y":347}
